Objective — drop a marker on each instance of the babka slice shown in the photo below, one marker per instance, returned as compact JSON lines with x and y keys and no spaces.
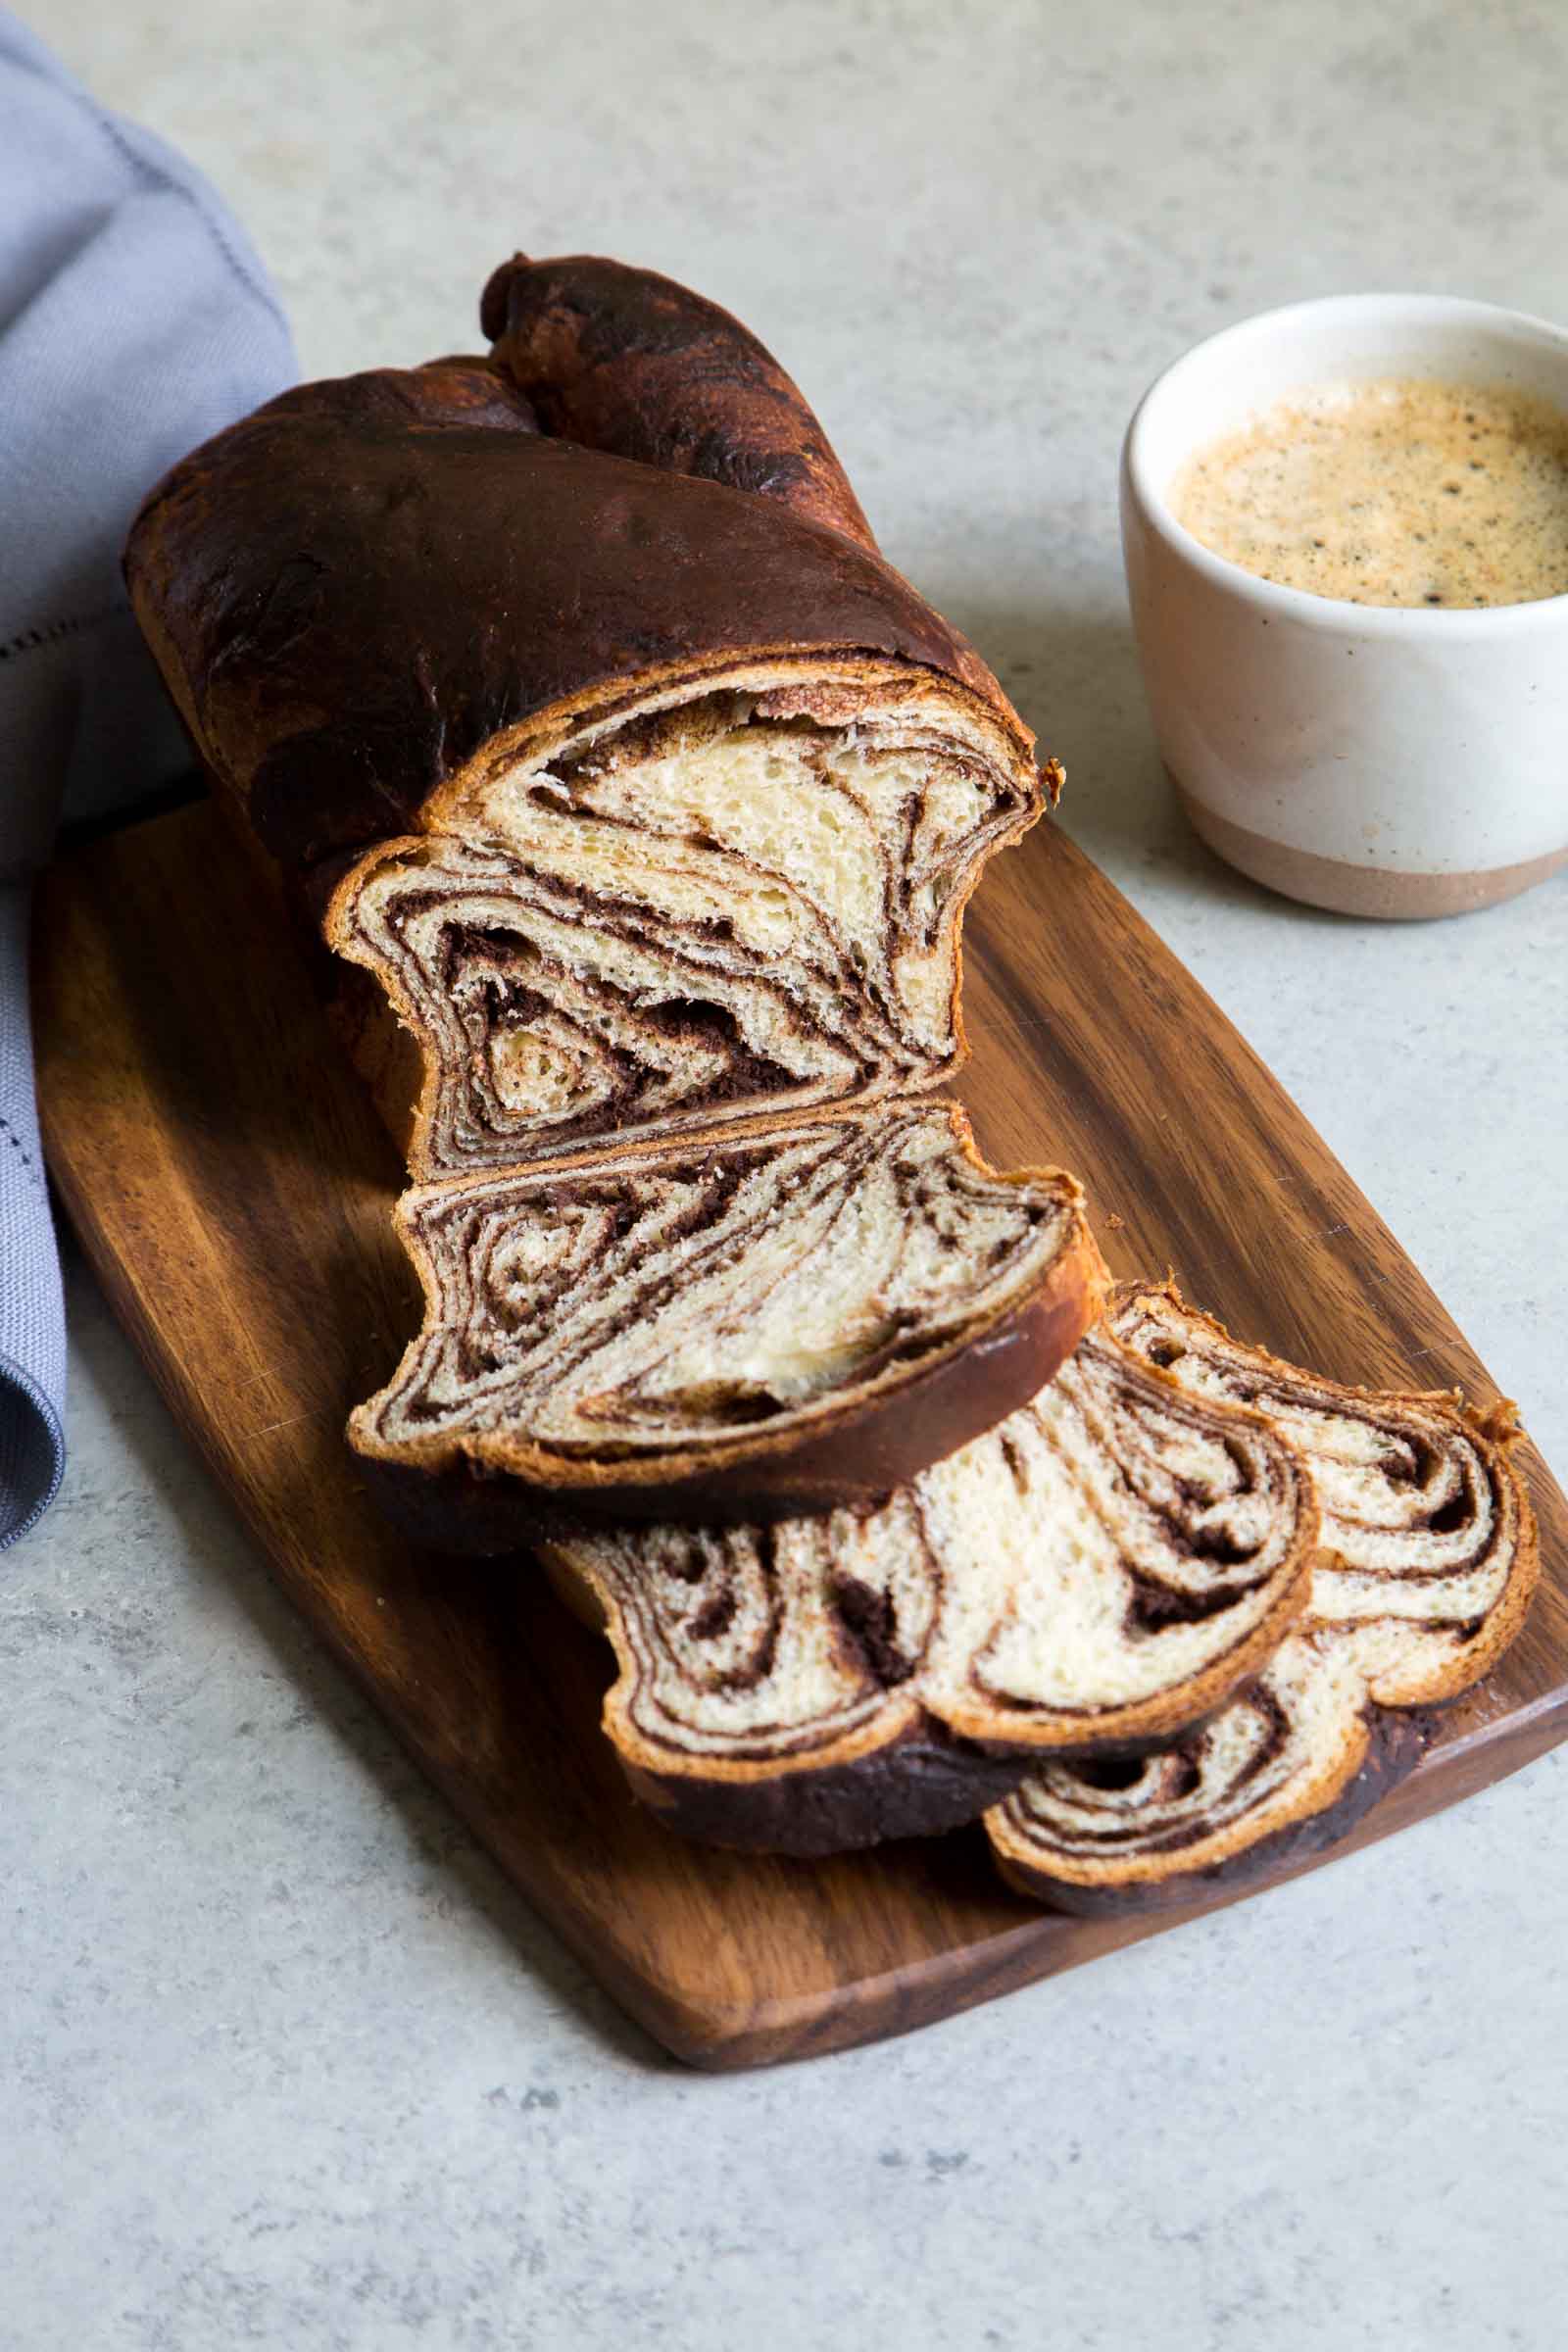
{"x":748,"y":900}
{"x":1099,"y":1571}
{"x":1426,"y":1566}
{"x":777,"y":1318}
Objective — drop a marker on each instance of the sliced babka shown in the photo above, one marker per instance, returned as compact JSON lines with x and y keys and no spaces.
{"x":773,"y":1318}
{"x":749,"y":901}
{"x":650,"y":791}
{"x":1104,"y":1568}
{"x":1426,"y":1566}
{"x":571,"y":692}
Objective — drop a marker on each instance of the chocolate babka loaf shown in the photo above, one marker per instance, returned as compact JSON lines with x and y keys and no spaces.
{"x":1101,"y":1570}
{"x":570,"y":689}
{"x":1426,"y":1566}
{"x":636,"y":1332}
{"x":671,"y":791}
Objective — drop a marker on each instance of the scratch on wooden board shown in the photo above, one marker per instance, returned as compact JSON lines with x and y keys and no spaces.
{"x":315,"y":1414}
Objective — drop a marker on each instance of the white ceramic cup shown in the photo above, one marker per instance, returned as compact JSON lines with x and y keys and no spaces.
{"x":1376,"y":759}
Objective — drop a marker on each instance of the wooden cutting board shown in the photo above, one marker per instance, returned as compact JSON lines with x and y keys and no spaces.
{"x":231,"y":1185}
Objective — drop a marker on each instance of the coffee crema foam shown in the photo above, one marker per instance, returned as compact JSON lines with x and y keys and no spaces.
{"x":1399,"y":492}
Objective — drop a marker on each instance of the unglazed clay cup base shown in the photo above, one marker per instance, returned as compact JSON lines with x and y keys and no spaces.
{"x":1374,"y":759}
{"x":1364,"y":890}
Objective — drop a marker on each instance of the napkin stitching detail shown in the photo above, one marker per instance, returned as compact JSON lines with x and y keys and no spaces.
{"x":51,"y":632}
{"x":150,"y":174}
{"x":18,"y":1145}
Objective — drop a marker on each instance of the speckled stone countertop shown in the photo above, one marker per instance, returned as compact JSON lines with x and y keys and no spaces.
{"x":284,"y":2061}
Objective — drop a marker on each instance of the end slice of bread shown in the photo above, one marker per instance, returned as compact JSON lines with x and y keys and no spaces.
{"x":1427,"y":1565}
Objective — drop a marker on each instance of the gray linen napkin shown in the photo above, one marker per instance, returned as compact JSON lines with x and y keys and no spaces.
{"x":135,"y":320}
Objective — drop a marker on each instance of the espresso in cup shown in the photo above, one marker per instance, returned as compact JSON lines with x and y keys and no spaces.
{"x":1404,"y":491}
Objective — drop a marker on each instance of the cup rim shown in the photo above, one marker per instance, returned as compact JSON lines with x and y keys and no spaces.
{"x":1305,"y":605}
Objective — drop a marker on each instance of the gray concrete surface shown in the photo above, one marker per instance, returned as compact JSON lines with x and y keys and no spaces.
{"x":282,"y":2061}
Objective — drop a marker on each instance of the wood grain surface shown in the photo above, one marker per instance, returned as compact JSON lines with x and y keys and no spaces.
{"x":232,"y":1186}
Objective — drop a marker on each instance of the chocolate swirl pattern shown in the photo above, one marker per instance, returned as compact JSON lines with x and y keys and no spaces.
{"x":1293,"y":1761}
{"x":571,"y":684}
{"x":1427,"y":1563}
{"x":627,"y":1326}
{"x":722,"y":908}
{"x":1103,"y":1567}
{"x":1428,"y":1546}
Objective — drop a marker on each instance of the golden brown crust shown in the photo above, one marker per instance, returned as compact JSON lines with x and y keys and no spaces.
{"x":385,"y":1050}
